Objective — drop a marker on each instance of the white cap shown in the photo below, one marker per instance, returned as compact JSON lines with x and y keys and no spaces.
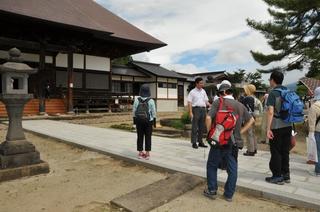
{"x":226,"y":82}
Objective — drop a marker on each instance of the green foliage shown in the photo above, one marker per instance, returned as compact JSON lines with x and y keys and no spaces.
{"x":251,"y":78}
{"x":177,"y":124}
{"x":255,"y":79}
{"x":302,"y":90}
{"x":123,"y":126}
{"x":122,"y":60}
{"x":293,"y":33}
{"x":185,"y":118}
{"x":237,"y":76}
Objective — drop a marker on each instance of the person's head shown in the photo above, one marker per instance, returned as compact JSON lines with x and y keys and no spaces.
{"x":227,"y":82}
{"x":144,"y":91}
{"x":199,"y":82}
{"x":249,"y":90}
{"x":316,"y":94}
{"x":276,"y":78}
{"x":225,"y":90}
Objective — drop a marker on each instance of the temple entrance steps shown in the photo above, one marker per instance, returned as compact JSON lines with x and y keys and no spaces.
{"x":53,"y":106}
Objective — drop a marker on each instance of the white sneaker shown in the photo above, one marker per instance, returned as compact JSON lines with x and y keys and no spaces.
{"x":313,"y":173}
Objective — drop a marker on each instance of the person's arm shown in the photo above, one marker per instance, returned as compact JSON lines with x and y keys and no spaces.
{"x":247,"y":125}
{"x":190,"y":110}
{"x":312,"y":117}
{"x":134,"y":108}
{"x":153,"y":112}
{"x":190,"y":105}
{"x":208,"y":122}
{"x":207,"y":100}
{"x":270,"y":113}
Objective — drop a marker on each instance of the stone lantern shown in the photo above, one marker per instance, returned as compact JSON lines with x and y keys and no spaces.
{"x":16,"y":151}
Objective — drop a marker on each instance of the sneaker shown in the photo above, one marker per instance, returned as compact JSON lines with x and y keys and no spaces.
{"x":202,"y":145}
{"x":315,"y":174}
{"x":227,"y":198}
{"x":275,"y":180}
{"x":147,"y":156}
{"x":141,"y":155}
{"x":210,"y":194}
{"x":286,"y":178}
{"x":195,"y":146}
{"x":248,"y":153}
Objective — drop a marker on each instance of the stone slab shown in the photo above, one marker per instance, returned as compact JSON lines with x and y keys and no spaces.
{"x":31,"y":170}
{"x":16,"y":147}
{"x":158,"y":193}
{"x":11,"y":161}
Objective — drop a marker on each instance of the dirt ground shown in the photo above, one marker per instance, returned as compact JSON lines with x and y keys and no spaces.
{"x":81,"y":181}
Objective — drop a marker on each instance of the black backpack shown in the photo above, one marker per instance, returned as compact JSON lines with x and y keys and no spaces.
{"x":142,"y":112}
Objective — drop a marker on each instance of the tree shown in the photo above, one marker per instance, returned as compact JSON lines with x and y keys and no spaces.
{"x":122,"y":60}
{"x":293,"y":34}
{"x":237,"y":76}
{"x":255,"y":79}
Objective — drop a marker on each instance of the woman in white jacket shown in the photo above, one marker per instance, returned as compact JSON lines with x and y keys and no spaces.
{"x":314,"y":126}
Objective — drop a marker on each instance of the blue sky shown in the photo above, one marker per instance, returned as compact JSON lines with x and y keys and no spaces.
{"x":202,"y":35}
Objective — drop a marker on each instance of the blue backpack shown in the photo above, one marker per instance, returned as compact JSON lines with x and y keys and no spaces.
{"x":291,"y":106}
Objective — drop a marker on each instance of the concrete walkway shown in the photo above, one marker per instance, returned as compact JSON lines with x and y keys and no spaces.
{"x":177,"y":155}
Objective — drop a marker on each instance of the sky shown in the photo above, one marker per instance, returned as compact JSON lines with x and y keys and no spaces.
{"x":202,"y":35}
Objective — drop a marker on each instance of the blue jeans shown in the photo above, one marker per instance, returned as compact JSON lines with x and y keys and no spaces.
{"x":214,"y":159}
{"x":317,"y":136}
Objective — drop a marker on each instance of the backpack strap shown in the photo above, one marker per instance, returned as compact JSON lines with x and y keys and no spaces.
{"x":220,"y":103}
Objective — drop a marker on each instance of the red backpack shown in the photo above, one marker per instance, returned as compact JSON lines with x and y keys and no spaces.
{"x":223,"y":126}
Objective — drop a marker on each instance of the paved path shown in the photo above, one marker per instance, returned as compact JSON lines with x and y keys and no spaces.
{"x":175,"y":154}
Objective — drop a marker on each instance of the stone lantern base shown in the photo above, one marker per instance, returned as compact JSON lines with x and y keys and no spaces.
{"x":20,"y":159}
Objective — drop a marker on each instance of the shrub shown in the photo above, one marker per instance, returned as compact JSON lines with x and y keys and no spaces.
{"x":185,"y":118}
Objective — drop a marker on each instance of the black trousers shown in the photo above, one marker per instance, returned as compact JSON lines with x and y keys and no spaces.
{"x":144,"y":131}
{"x":279,"y":148}
{"x":198,"y":124}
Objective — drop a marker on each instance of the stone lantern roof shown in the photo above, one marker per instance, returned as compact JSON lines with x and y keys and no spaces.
{"x":15,"y":64}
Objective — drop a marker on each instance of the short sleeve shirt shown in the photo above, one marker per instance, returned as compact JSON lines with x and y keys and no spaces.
{"x":274,"y":100}
{"x":239,"y":109}
{"x":198,"y":97}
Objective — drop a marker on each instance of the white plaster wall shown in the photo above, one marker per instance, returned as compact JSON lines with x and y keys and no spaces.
{"x":167,"y":105}
{"x":97,"y":63}
{"x":170,"y":80}
{"x":26,"y":57}
{"x":49,"y":59}
{"x":116,"y":77}
{"x":173,"y":93}
{"x":78,"y":61}
{"x":162,"y":79}
{"x":142,"y":79}
{"x":62,"y":60}
{"x":186,"y":84}
{"x":162,"y":93}
{"x":30,"y":57}
{"x":127,"y":78}
{"x":152,"y":87}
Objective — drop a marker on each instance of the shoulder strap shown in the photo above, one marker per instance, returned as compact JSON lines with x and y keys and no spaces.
{"x":220,"y":103}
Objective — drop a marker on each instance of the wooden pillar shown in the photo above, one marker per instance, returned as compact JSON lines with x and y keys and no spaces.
{"x":70,"y":83}
{"x":41,"y":87}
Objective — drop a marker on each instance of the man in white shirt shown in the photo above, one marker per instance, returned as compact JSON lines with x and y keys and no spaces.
{"x":197,"y":102}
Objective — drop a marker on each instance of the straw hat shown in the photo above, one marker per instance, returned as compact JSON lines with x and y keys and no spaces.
{"x":249,"y":89}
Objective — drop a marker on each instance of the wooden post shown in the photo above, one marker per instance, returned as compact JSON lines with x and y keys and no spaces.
{"x":70,"y":83}
{"x":41,"y":92}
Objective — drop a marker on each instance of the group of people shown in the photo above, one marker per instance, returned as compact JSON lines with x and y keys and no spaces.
{"x":277,"y":131}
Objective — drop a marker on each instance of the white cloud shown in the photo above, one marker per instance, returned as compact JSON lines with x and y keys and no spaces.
{"x":196,"y":26}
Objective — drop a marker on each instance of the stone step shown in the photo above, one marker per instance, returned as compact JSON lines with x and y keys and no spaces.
{"x":158,"y":193}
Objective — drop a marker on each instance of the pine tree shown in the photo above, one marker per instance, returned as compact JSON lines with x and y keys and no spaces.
{"x":294,"y":34}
